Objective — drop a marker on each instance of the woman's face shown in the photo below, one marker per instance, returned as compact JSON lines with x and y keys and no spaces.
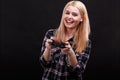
{"x":71,"y":17}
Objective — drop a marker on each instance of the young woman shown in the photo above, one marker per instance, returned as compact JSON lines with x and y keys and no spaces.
{"x":68,"y":62}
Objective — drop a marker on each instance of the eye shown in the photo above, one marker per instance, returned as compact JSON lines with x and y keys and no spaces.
{"x":67,"y":12}
{"x":74,"y":14}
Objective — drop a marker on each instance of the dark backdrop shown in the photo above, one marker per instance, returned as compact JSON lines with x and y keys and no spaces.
{"x":23,"y":24}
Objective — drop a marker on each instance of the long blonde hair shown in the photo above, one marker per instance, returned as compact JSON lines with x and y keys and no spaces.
{"x":83,"y":30}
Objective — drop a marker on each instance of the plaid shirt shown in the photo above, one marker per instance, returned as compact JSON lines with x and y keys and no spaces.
{"x":58,"y":68}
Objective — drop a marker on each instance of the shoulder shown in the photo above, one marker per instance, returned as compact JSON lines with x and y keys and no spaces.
{"x":88,"y":47}
{"x":89,"y":43}
{"x":51,"y":30}
{"x":50,"y":33}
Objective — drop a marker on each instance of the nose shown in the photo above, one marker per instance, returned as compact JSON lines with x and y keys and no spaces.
{"x":69,"y":16}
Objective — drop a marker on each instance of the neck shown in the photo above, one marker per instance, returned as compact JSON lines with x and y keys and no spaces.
{"x":70,"y":33}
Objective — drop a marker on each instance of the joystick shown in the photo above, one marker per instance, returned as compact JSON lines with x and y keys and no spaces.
{"x":58,"y":43}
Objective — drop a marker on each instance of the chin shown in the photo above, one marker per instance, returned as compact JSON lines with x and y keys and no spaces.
{"x":68,"y":25}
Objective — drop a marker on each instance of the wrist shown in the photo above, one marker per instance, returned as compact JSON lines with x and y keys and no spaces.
{"x":70,"y":53}
{"x":48,"y":48}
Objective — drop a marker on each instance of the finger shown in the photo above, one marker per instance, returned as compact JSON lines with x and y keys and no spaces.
{"x":67,"y":43}
{"x":49,"y":41}
{"x":51,"y":37}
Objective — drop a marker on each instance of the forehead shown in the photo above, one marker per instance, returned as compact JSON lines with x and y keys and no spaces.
{"x":72,"y":8}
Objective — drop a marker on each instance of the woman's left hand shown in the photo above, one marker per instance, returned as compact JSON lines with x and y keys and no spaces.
{"x":67,"y":49}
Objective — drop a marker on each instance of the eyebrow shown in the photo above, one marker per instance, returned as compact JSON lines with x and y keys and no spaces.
{"x":72,"y":12}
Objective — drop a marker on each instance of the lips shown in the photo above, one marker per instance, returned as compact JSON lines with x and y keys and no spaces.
{"x":68,"y":21}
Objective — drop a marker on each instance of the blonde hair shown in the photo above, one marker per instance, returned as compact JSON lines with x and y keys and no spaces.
{"x":83,"y":30}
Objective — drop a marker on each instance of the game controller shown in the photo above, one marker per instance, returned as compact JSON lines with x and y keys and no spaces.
{"x":58,"y":43}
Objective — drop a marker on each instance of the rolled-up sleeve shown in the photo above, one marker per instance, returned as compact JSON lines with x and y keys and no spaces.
{"x":82,"y":60}
{"x":44,"y":63}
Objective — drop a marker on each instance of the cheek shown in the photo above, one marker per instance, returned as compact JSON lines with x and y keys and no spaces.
{"x":64,"y":18}
{"x":77,"y":21}
{"x":64,"y":21}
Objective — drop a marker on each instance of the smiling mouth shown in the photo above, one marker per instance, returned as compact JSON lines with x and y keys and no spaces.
{"x":69,"y":22}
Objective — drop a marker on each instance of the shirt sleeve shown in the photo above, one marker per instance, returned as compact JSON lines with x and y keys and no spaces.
{"x":82,"y":60}
{"x":42,"y":61}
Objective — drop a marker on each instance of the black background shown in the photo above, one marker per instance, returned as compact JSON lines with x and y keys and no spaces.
{"x":23,"y":24}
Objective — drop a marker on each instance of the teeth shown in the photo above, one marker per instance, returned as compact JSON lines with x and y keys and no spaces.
{"x":68,"y":21}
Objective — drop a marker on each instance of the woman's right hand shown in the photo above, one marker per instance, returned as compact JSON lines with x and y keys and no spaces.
{"x":48,"y":43}
{"x":48,"y":48}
